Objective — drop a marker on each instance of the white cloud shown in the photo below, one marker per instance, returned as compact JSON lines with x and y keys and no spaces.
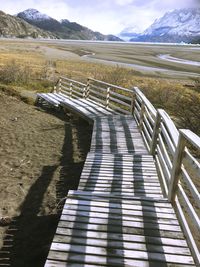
{"x":123,"y":2}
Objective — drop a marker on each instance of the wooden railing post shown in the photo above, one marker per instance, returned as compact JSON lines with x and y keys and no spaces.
{"x":54,"y":89}
{"x":141,"y":115}
{"x":84,"y":92}
{"x":87,"y":89}
{"x":132,"y":103}
{"x":59,"y":85}
{"x":176,"y":168}
{"x":155,"y":133}
{"x":108,"y":97}
{"x":70,"y":90}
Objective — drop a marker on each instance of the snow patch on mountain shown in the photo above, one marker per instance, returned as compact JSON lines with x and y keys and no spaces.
{"x":177,"y":26}
{"x":181,"y":22}
{"x":33,"y":14}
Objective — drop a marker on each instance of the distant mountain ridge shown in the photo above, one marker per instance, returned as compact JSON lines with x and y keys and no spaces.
{"x":128,"y":33}
{"x":182,"y":25}
{"x":63,"y":29}
{"x":11,"y":26}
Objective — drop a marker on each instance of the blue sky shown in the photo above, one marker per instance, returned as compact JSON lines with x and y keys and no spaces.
{"x":106,"y":16}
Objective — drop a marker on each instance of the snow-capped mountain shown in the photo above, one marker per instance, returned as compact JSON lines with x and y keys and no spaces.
{"x":182,"y":25}
{"x":40,"y":20}
{"x":62,"y":29}
{"x":32,"y":14}
{"x":12,"y":26}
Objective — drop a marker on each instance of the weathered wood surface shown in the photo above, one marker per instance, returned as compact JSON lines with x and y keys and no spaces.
{"x":132,"y":173}
{"x":116,"y":134}
{"x":98,"y":229}
{"x":118,"y":216}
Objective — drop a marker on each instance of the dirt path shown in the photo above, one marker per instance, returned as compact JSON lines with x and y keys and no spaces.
{"x":41,"y":158}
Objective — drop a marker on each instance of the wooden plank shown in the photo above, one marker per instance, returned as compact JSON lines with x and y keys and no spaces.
{"x":136,"y":212}
{"x":126,"y":157}
{"x":119,"y":206}
{"x":58,"y":263}
{"x":90,"y":259}
{"x":123,"y":254}
{"x":96,"y":242}
{"x":103,"y":215}
{"x":136,"y":200}
{"x":120,"y":222}
{"x":136,"y":184}
{"x":121,"y":185}
{"x":130,"y":238}
{"x":139,"y":173}
{"x":119,"y":198}
{"x":148,"y":193}
{"x":122,"y":165}
{"x":120,"y":229}
{"x":121,"y":161}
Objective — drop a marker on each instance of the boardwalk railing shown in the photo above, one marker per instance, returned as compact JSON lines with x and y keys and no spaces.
{"x":177,"y":167}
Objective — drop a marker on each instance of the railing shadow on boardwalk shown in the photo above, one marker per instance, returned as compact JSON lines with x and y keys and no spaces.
{"x":147,"y":231}
{"x":114,"y":229}
{"x":28,"y":238}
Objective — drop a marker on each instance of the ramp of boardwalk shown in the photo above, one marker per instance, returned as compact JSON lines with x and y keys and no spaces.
{"x":123,"y":211}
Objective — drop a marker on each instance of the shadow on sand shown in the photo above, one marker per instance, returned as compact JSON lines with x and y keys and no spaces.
{"x":28,"y":238}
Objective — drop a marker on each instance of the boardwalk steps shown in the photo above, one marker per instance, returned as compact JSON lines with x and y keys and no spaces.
{"x":120,"y":215}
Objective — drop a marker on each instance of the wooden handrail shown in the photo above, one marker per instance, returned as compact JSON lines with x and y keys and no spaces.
{"x":138,"y":92}
{"x":111,"y":85}
{"x":185,"y":136}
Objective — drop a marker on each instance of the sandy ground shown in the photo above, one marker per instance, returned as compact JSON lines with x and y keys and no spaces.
{"x":41,"y":157}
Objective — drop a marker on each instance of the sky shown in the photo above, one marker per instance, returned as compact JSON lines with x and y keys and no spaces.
{"x":105,"y":16}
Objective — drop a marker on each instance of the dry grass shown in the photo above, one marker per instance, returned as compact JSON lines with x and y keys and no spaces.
{"x":28,"y":68}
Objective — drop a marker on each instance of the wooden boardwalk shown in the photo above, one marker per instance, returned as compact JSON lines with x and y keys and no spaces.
{"x":120,"y":214}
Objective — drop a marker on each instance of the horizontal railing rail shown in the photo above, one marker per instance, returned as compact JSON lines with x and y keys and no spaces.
{"x":145,"y":114}
{"x":70,"y":88}
{"x":178,"y":169}
{"x":111,"y":96}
